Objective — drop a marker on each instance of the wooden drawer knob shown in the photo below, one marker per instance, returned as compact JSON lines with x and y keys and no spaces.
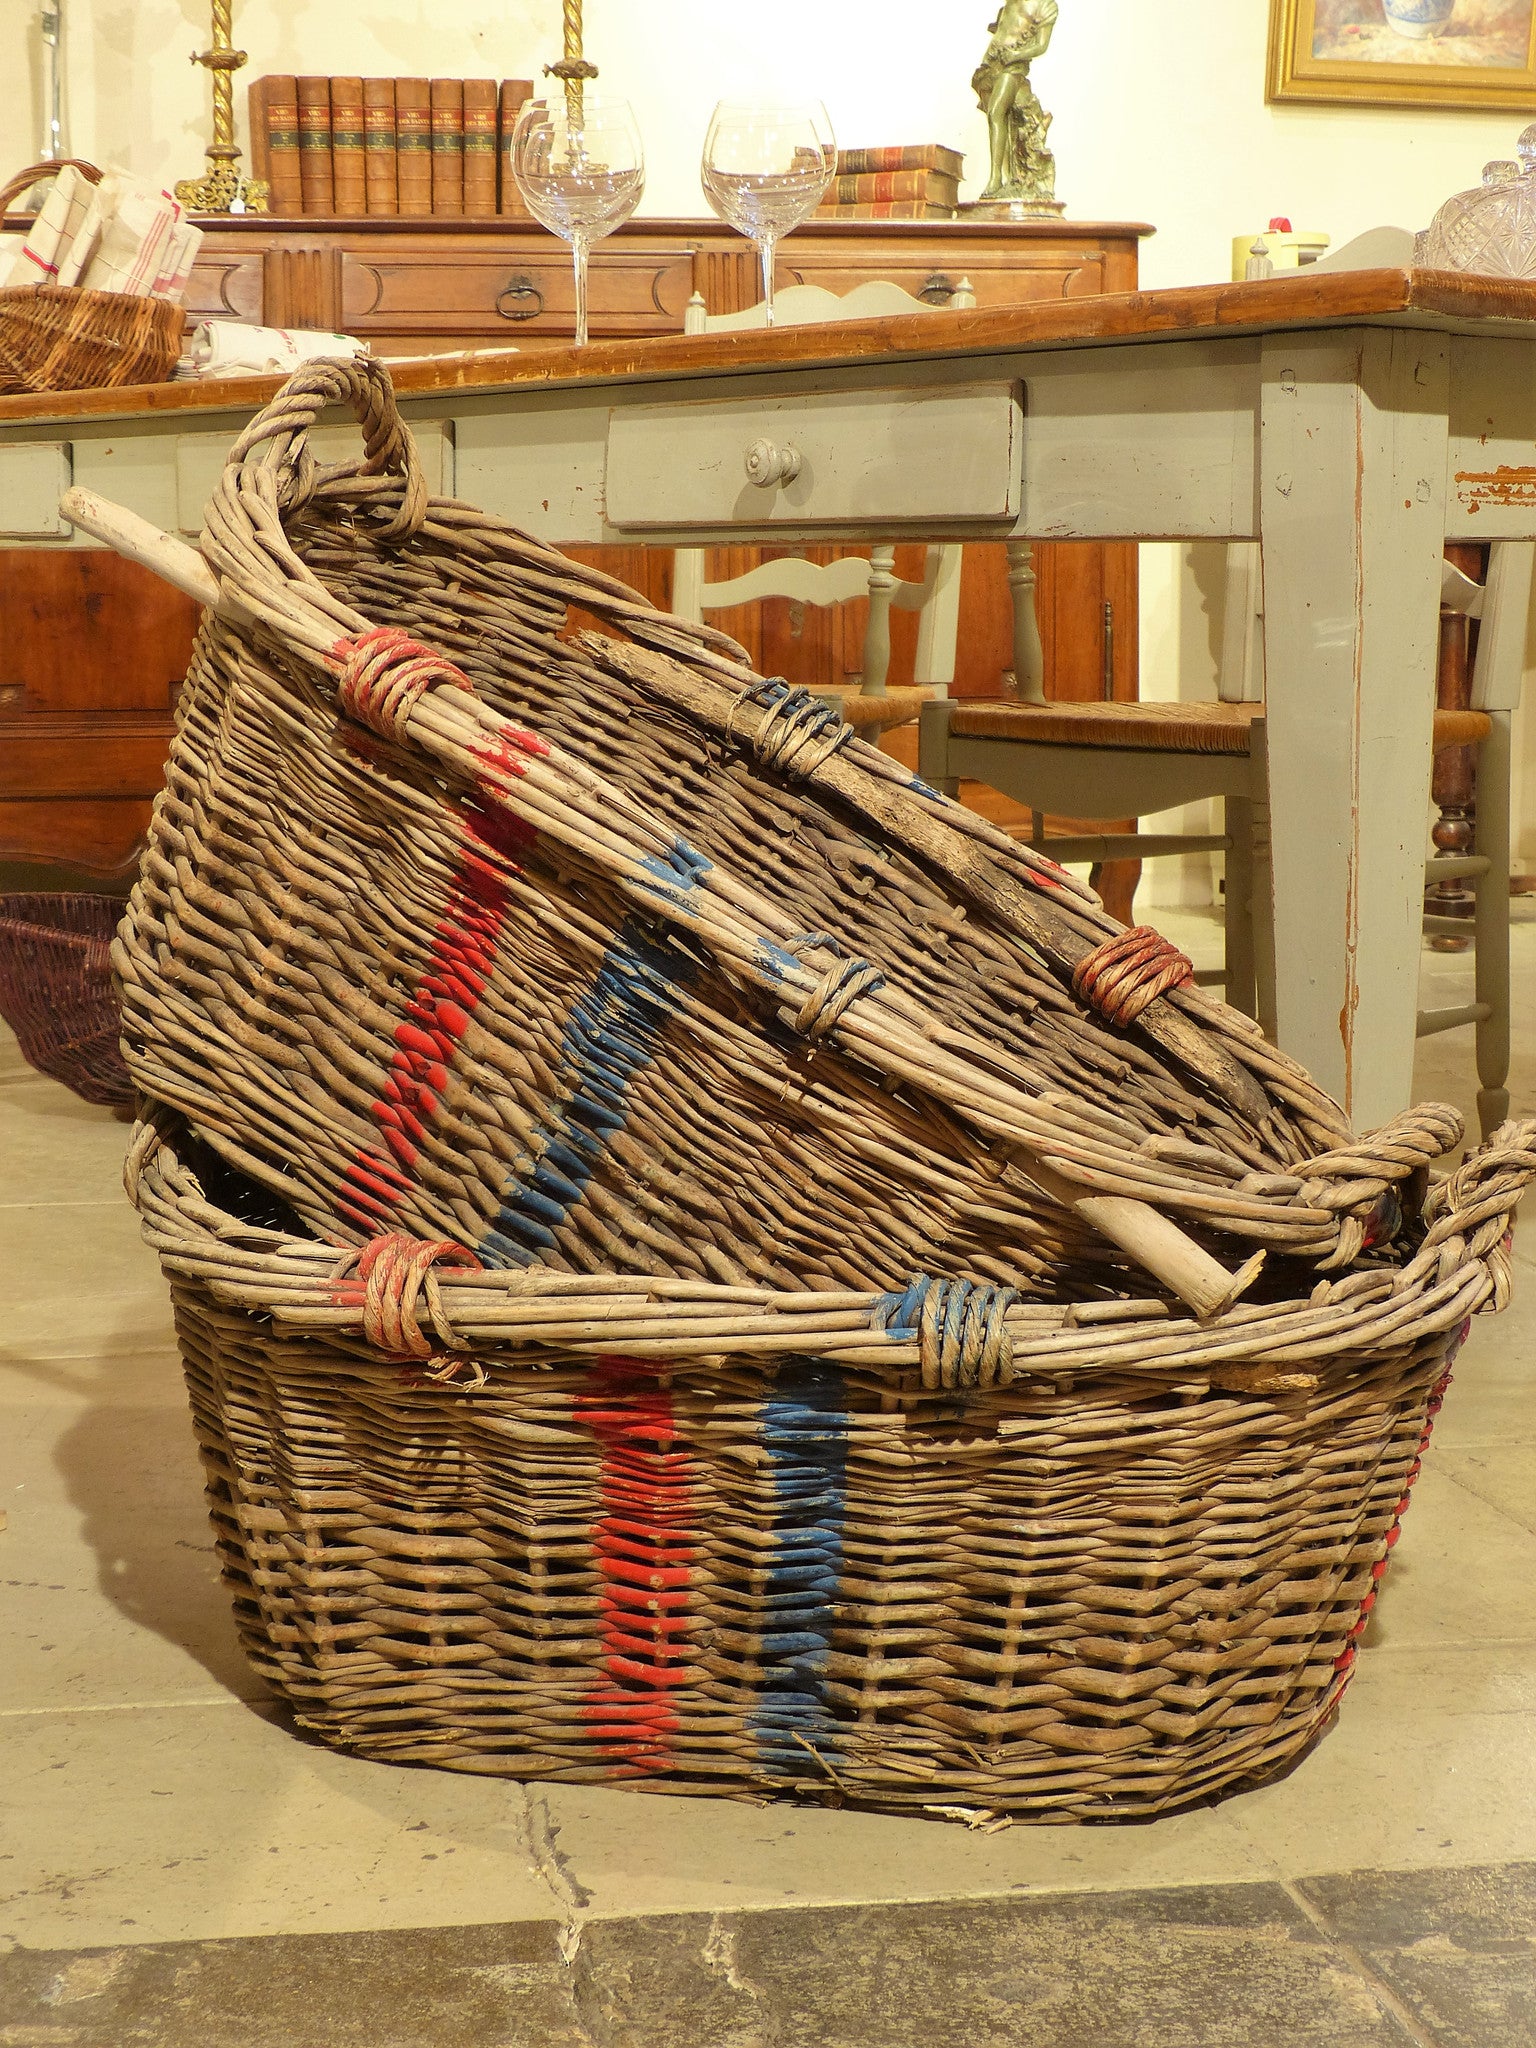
{"x":769,"y":465}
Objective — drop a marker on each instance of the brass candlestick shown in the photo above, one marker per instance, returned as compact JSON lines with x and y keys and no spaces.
{"x":573,"y":67}
{"x":222,"y":189}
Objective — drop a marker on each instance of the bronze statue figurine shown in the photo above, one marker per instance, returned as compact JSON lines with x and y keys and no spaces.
{"x":1022,"y":172}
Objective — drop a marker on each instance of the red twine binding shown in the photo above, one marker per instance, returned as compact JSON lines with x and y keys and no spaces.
{"x":390,"y":1273}
{"x":1125,"y":973}
{"x":384,"y":673}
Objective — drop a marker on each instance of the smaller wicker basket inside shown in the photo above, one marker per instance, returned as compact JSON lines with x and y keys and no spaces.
{"x":62,"y":338}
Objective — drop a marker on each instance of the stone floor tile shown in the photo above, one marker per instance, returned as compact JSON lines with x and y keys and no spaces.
{"x":190,"y":1822}
{"x":80,"y":1282}
{"x":1219,"y":1966}
{"x":1503,"y":1475}
{"x":57,"y":1148}
{"x":120,"y":1607}
{"x":640,"y":1853}
{"x":1457,"y":1947}
{"x":1216,"y":1966}
{"x":1464,"y":1570}
{"x":461,"y":1987}
{"x":1428,"y":1764}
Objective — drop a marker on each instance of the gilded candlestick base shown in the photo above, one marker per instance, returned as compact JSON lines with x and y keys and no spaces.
{"x":221,"y":186}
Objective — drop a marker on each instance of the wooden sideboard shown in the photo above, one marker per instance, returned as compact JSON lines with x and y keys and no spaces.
{"x":93,"y":648}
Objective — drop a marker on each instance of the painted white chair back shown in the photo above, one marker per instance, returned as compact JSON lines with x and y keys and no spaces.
{"x":803,"y":305}
{"x":1502,"y":606}
{"x":935,"y":599}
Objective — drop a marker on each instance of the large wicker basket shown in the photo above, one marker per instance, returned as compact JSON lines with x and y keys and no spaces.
{"x":697,"y":1260}
{"x":64,"y":338}
{"x":727,"y":1540}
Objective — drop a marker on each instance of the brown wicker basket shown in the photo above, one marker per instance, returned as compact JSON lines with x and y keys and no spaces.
{"x":680,"y":1234}
{"x":56,"y":990}
{"x":63,"y":338}
{"x":702,"y":1539}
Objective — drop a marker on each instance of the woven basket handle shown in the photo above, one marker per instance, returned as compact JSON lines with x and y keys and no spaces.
{"x":1475,"y":1205}
{"x":389,"y":447}
{"x":35,"y":173}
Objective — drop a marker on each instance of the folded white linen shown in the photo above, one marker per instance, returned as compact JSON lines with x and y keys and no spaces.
{"x":50,"y":235}
{"x":228,"y":348}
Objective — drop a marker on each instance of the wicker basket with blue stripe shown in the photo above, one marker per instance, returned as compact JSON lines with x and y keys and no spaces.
{"x":701,"y":1263}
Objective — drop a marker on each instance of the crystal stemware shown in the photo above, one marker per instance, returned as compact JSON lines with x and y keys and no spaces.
{"x":580,"y":168}
{"x":766,"y":168}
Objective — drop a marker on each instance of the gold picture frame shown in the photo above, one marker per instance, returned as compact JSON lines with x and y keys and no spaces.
{"x":1396,"y":53}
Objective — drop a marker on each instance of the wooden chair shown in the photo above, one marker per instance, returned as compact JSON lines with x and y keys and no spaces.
{"x":1117,"y":760}
{"x":935,"y":599}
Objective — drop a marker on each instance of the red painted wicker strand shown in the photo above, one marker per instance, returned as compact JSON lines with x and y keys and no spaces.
{"x":391,"y":1273}
{"x":384,"y":675}
{"x":1126,"y":973}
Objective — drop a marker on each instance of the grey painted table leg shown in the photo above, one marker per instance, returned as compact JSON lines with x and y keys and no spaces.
{"x":1352,"y":525}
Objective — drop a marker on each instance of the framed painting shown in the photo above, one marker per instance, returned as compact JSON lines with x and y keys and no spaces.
{"x":1405,"y":53}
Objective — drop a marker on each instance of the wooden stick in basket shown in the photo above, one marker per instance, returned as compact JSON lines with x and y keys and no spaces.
{"x":1154,"y":1241}
{"x":138,"y":540}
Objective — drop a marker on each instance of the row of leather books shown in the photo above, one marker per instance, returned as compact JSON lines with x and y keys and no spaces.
{"x":409,"y":146}
{"x":905,"y":181}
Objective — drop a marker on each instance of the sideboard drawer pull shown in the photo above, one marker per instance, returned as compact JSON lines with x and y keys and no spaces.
{"x":520,"y":288}
{"x":769,"y":465}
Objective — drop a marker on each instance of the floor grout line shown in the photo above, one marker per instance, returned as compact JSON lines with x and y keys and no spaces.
{"x":1379,"y":1989}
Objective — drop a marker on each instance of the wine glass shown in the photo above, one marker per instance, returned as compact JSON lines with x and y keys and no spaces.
{"x":766,"y":168}
{"x":580,"y":168}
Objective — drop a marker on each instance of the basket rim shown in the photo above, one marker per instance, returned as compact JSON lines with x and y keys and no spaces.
{"x":306,"y":1287}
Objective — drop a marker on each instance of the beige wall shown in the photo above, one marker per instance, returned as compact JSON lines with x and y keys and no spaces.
{"x":1159,"y":104}
{"x":1159,"y":108}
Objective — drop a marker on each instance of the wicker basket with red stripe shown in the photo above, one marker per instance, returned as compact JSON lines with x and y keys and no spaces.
{"x":700,"y":1262}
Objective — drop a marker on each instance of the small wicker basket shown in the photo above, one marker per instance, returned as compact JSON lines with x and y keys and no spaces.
{"x":63,"y":338}
{"x":56,"y":990}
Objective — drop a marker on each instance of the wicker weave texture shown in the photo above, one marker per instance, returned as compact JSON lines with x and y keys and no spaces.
{"x":56,"y":990}
{"x":604,"y":954}
{"x":64,"y":338}
{"x":1060,"y":1603}
{"x":629,"y":1532}
{"x":644,"y":1186}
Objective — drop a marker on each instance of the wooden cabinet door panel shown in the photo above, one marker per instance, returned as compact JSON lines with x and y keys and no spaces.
{"x":86,"y":631}
{"x":227,"y":286}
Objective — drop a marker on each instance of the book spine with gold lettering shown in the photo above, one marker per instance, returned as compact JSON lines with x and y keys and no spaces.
{"x":413,"y":144}
{"x":379,"y":181}
{"x":480,"y":146}
{"x":447,"y":102}
{"x":316,"y":183}
{"x":349,"y":174}
{"x":514,"y":93}
{"x":277,"y":105}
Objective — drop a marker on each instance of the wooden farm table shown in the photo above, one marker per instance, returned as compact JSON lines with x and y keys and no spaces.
{"x":1351,"y":423}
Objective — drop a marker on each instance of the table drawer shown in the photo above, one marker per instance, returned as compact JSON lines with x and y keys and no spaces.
{"x":896,"y":457}
{"x":999,"y":275}
{"x":508,"y":293}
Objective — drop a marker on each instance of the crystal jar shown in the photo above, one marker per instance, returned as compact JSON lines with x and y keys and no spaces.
{"x":1490,"y":230}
